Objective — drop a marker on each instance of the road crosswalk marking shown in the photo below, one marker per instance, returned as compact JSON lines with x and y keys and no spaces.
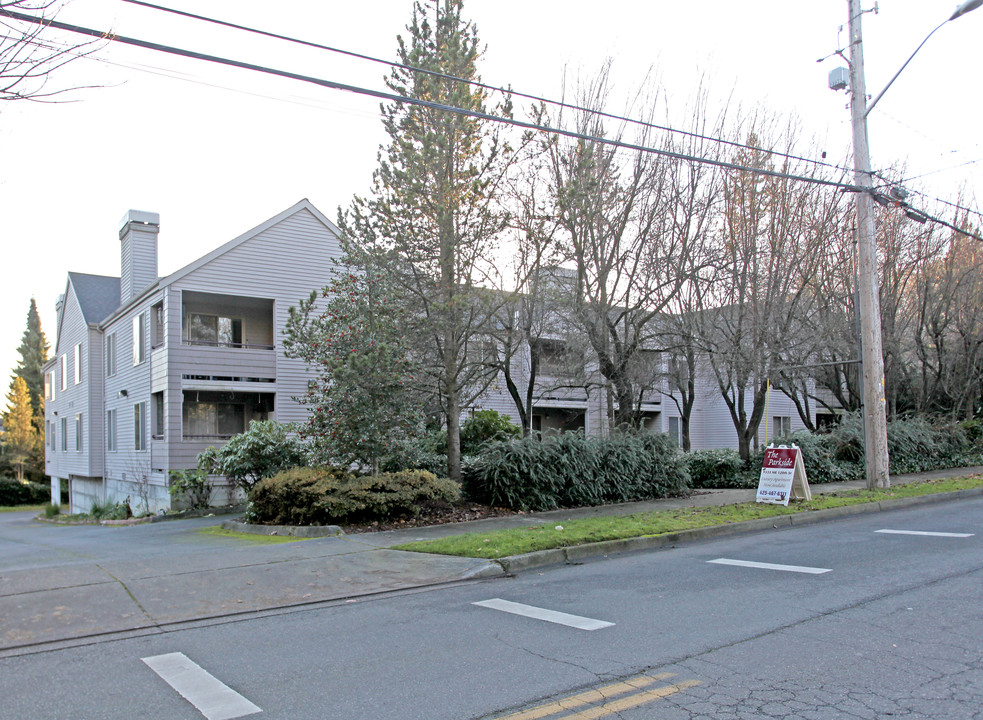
{"x":605,"y":701}
{"x":212,"y":698}
{"x":771,"y":566}
{"x":926,"y":533}
{"x":560,"y":618}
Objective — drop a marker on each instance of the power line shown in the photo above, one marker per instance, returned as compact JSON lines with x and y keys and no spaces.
{"x":392,"y":97}
{"x":475,"y":83}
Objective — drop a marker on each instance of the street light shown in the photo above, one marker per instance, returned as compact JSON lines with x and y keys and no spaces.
{"x":875,"y":417}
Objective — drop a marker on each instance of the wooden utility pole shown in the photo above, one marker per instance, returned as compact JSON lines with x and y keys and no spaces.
{"x":874,"y":410}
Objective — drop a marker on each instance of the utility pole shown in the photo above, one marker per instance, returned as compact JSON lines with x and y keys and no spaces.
{"x":874,"y":410}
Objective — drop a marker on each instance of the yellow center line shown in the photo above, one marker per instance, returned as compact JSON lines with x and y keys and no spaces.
{"x":632,"y":701}
{"x":586,"y":698}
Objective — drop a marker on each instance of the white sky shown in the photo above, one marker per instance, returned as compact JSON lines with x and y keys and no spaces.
{"x":217,"y":151}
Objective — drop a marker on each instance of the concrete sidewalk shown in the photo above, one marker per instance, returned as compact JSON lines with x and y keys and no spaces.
{"x":72,"y":584}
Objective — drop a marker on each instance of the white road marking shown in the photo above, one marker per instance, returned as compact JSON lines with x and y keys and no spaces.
{"x":212,"y":698}
{"x":574,"y":621}
{"x":771,"y":566}
{"x":927,"y":534}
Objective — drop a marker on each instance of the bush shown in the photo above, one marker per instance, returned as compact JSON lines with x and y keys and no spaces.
{"x":716,"y":469}
{"x":484,"y":428}
{"x":111,"y":511}
{"x":263,"y":450}
{"x":819,"y":454}
{"x":191,"y":488}
{"x":322,"y":496}
{"x":415,"y":456}
{"x":15,"y":492}
{"x":570,"y":470}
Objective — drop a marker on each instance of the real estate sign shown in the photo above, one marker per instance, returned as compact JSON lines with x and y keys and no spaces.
{"x":783,"y":476}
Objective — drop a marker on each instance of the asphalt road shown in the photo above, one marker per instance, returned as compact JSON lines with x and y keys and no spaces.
{"x":866,"y":625}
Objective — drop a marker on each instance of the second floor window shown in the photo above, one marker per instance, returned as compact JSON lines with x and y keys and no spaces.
{"x":111,"y":355}
{"x":214,"y":330}
{"x":64,"y":372}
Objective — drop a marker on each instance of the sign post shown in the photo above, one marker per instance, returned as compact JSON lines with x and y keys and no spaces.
{"x":783,"y":476}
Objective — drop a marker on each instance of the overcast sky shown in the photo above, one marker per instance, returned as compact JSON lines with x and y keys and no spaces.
{"x":217,"y":151}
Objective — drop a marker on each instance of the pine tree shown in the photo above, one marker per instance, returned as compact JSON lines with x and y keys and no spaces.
{"x":33,"y":355}
{"x":433,"y":206}
{"x":20,"y":435}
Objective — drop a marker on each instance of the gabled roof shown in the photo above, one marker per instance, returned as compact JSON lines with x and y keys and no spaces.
{"x":98,"y":295}
{"x":304,"y":204}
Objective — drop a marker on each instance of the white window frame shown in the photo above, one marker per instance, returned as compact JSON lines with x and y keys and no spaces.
{"x":139,"y":339}
{"x":79,"y":446}
{"x":674,"y":429}
{"x":140,"y":426}
{"x":781,"y":425}
{"x":64,"y":434}
{"x":110,"y":354}
{"x":64,"y":372}
{"x":111,"y":428}
{"x":78,"y":364}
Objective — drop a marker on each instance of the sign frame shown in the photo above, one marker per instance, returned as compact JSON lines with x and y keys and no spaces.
{"x":783,"y":476}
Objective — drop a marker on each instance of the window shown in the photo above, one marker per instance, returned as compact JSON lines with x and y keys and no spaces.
{"x":78,"y":363}
{"x":78,"y":432}
{"x":49,"y":385}
{"x":555,"y":358}
{"x":111,"y":355}
{"x":139,"y":339}
{"x":781,"y":426}
{"x":674,"y":428}
{"x":52,"y":437}
{"x":140,"y":426}
{"x":111,"y":430}
{"x":213,"y":419}
{"x":64,"y":434}
{"x":157,"y":325}
{"x":64,"y":372}
{"x":214,"y":330}
{"x":157,"y":418}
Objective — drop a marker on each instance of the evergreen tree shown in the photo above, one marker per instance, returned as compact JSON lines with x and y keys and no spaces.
{"x":352,"y":334}
{"x":20,"y":435}
{"x":33,"y":355}
{"x":433,"y":208}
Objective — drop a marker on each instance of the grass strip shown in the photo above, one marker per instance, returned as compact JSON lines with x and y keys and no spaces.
{"x":22,"y":508}
{"x":505,"y":543}
{"x":255,"y":538}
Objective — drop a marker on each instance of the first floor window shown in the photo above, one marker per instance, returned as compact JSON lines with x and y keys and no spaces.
{"x":674,"y":429}
{"x":64,"y":434}
{"x":111,"y":430}
{"x":781,"y":426}
{"x":78,"y":432}
{"x":213,"y":419}
{"x":157,"y":419}
{"x":140,"y":426}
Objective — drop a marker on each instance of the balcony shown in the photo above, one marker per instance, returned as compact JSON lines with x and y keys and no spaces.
{"x":228,"y":322}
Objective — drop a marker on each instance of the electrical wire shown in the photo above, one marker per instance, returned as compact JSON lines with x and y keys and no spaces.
{"x":392,"y":97}
{"x":474,"y":83}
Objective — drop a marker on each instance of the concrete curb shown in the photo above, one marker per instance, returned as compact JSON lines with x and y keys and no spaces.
{"x":301,"y":531}
{"x":579,"y":553}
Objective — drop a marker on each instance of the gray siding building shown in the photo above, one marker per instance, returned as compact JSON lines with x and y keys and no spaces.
{"x":148,"y":371}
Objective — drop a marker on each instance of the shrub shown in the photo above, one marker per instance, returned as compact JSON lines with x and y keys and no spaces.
{"x":415,"y":456}
{"x":819,"y":456}
{"x":570,"y":470}
{"x":51,"y":510}
{"x":15,"y":492}
{"x":111,"y":511}
{"x":320,"y":496}
{"x":486,"y":427}
{"x":191,"y":488}
{"x":263,"y":450}
{"x":716,"y":469}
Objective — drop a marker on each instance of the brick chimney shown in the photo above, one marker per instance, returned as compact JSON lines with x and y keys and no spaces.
{"x":138,"y":253}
